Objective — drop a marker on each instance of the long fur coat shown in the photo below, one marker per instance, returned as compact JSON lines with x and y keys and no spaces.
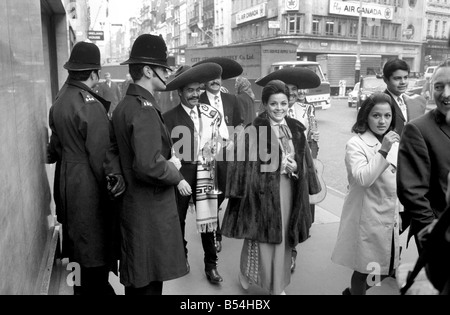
{"x":253,"y":186}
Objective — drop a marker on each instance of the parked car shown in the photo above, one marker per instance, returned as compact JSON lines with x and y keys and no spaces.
{"x":429,"y":72}
{"x":416,"y":86}
{"x":369,"y":85}
{"x":353,"y":96}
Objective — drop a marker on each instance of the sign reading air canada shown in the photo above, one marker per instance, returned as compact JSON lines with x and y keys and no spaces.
{"x":253,"y":13}
{"x":369,"y":10}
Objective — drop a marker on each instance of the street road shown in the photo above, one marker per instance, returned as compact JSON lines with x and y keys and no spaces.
{"x":335,"y":126}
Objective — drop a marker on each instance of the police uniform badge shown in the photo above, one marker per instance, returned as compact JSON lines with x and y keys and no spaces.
{"x":144,"y":102}
{"x":88,"y":98}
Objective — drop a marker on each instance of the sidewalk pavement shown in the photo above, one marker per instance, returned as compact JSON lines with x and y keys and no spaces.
{"x":315,"y":274}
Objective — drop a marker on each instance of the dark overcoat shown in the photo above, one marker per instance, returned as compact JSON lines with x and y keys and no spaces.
{"x":80,"y":139}
{"x":152,"y":244}
{"x":254,"y":210}
{"x":423,"y":166}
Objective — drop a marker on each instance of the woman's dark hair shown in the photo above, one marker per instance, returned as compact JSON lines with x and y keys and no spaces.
{"x":136,"y":71}
{"x":81,"y":75}
{"x":274,"y":87}
{"x":361,"y":125}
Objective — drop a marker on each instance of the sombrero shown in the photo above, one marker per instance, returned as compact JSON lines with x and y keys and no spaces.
{"x":301,"y":77}
{"x":230,"y":68}
{"x":187,"y":75}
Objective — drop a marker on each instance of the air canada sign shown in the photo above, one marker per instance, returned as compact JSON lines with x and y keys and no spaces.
{"x":252,"y":13}
{"x":368,"y":10}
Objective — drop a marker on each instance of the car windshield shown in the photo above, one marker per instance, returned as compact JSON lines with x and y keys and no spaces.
{"x":374,"y":84}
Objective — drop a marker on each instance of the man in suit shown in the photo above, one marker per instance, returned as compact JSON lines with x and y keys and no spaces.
{"x":151,"y":241}
{"x":188,"y":82}
{"x":424,"y":159}
{"x":396,"y":76}
{"x":232,"y":116}
{"x":110,"y":91}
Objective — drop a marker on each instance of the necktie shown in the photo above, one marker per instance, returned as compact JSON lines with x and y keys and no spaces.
{"x":194,"y":118}
{"x":216,"y":101}
{"x":402,"y":106}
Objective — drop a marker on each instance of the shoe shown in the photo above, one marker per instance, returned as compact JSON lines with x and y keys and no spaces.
{"x":243,"y":281}
{"x":347,"y":292}
{"x":293,"y":264}
{"x":218,"y":246}
{"x":213,"y":276}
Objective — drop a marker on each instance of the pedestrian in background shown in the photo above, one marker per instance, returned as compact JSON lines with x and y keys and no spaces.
{"x":268,"y":207}
{"x":125,"y":85}
{"x":407,"y":107}
{"x":246,"y":98}
{"x":424,"y":159}
{"x":79,"y":141}
{"x":152,"y":248}
{"x":110,"y":91}
{"x":368,"y":234}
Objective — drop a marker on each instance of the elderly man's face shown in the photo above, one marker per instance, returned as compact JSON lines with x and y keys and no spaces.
{"x":441,"y":89}
{"x":190,"y":94}
{"x":108,"y":77}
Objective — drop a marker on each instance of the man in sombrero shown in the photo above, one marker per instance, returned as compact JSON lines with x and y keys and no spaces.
{"x":193,"y":126}
{"x":232,"y":116}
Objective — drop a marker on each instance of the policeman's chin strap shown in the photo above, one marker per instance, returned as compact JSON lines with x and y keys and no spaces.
{"x":154,"y":71}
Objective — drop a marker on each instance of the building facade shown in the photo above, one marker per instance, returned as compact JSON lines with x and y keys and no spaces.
{"x":331,"y":26}
{"x":436,"y":26}
{"x":36,"y":37}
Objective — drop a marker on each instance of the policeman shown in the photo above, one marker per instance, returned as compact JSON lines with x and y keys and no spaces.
{"x":80,"y":138}
{"x":152,"y":248}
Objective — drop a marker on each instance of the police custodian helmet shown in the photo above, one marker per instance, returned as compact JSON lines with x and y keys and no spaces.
{"x":150,"y":50}
{"x":84,"y":57}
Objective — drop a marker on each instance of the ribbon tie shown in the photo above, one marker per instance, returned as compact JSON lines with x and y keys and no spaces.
{"x":285,"y":135}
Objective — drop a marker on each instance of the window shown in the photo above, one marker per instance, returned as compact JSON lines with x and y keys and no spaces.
{"x":444,"y":29}
{"x":340,"y":28}
{"x":315,"y":27}
{"x":329,"y":28}
{"x":294,"y":24}
{"x":429,"y":27}
{"x":353,"y":29}
{"x":375,"y":31}
{"x":436,"y":28}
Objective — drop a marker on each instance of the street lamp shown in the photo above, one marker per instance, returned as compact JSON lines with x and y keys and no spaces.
{"x":358,"y":46}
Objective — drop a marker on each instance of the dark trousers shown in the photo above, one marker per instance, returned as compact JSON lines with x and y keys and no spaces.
{"x":189,"y":172}
{"x":222,"y":181}
{"x":94,"y":281}
{"x":154,"y":288}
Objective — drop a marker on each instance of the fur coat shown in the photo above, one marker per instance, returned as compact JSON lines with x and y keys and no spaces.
{"x":253,"y":186}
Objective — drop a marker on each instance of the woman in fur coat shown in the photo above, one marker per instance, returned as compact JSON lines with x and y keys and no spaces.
{"x":268,"y":189}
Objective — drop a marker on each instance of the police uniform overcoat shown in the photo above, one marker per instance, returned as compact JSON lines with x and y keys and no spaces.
{"x":80,"y":135}
{"x":152,"y":244}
